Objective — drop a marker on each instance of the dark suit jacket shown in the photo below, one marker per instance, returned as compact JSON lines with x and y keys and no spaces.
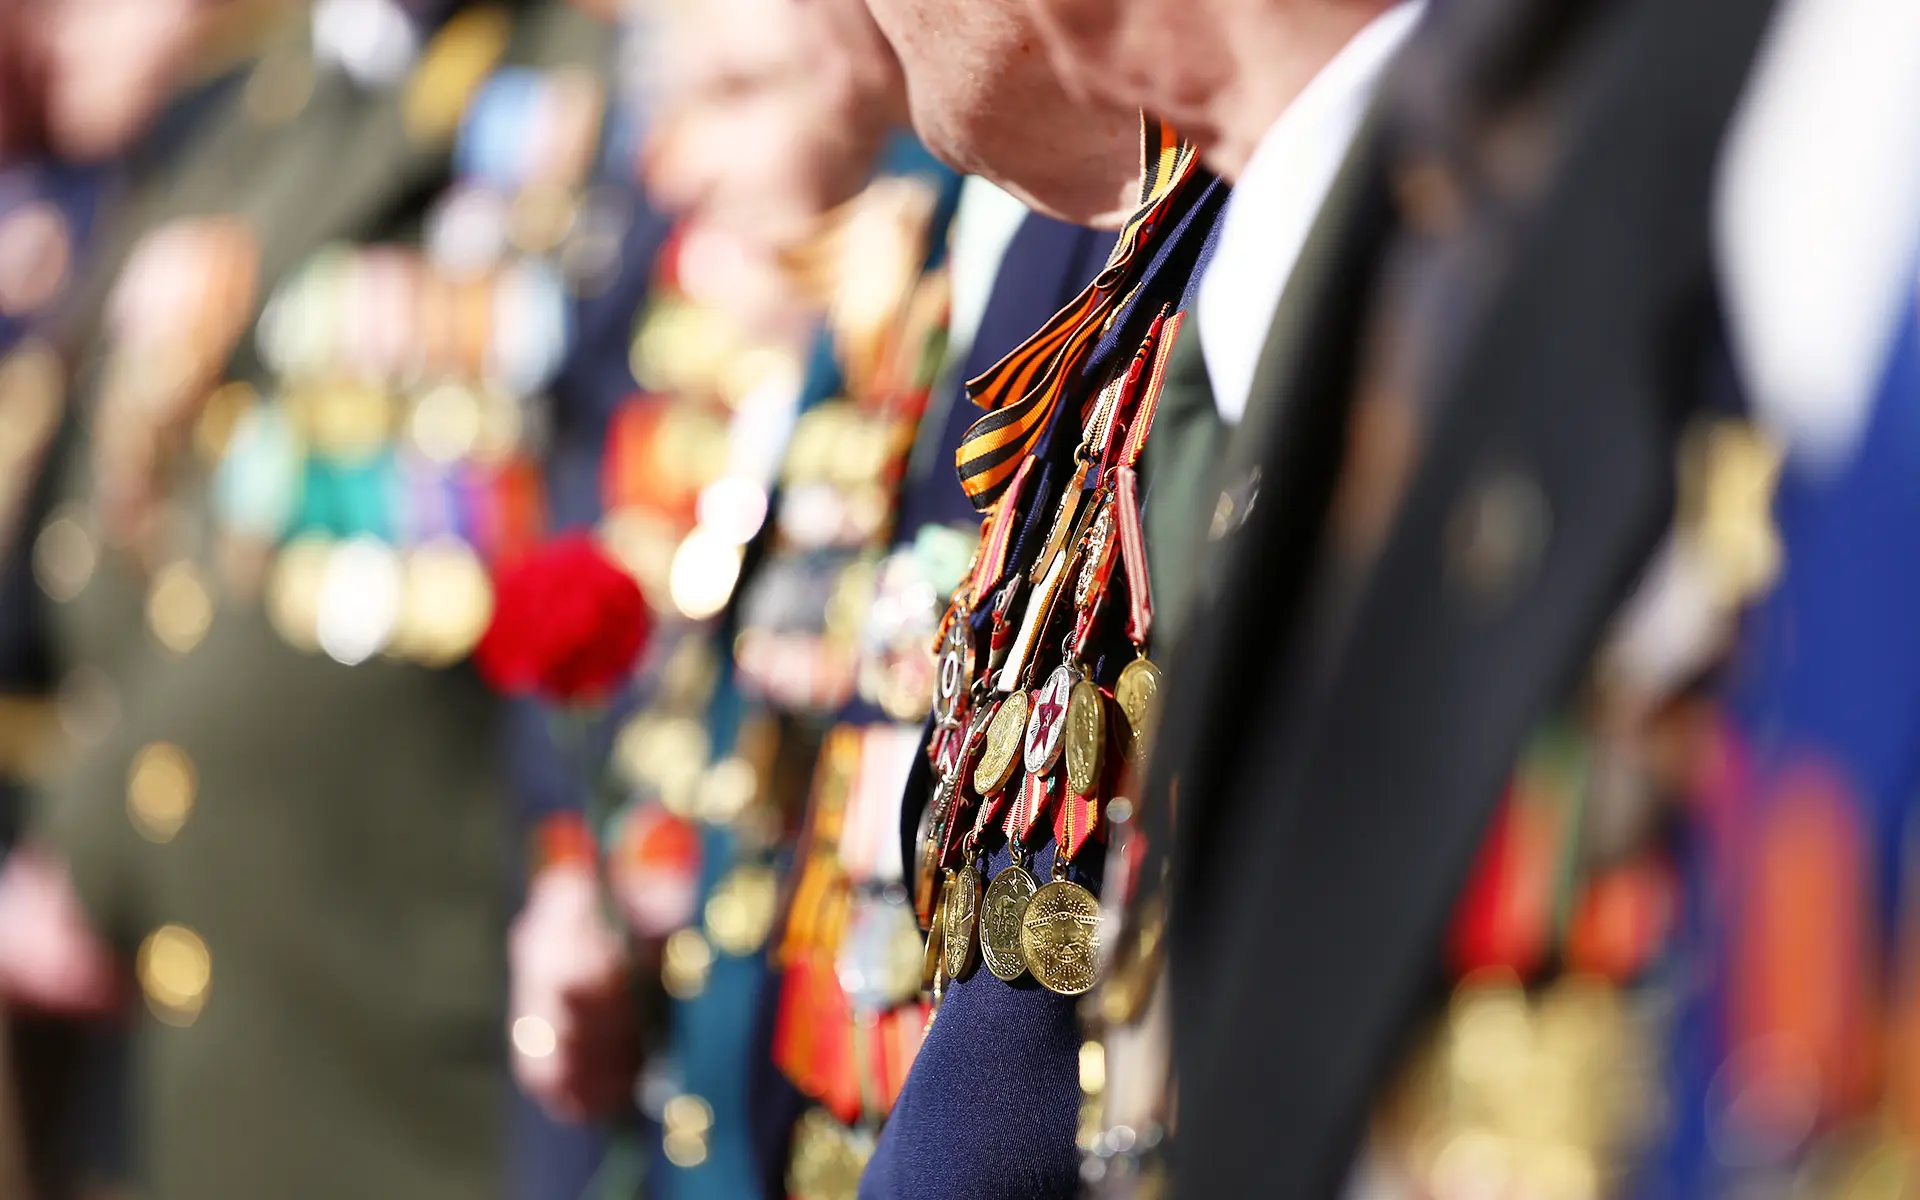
{"x":1337,"y":738}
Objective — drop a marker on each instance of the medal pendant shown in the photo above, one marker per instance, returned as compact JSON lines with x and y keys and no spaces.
{"x":955,"y":674}
{"x":1001,"y":914}
{"x":934,"y":826}
{"x":1137,"y":692}
{"x":1047,"y":723}
{"x":1060,"y":937}
{"x":961,"y":912}
{"x":1002,"y":754}
{"x":1086,"y":737}
{"x":936,"y":950}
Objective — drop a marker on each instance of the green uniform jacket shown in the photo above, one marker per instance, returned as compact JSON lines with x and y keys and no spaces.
{"x":344,"y":862}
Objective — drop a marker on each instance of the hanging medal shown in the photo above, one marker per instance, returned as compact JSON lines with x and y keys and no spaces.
{"x":1060,"y":929}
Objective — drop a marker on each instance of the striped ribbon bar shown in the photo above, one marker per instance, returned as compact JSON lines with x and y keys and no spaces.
{"x":1022,"y":391}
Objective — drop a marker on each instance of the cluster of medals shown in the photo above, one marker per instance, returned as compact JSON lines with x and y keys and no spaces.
{"x":1671,"y":975}
{"x":688,"y":463}
{"x":396,"y":453}
{"x":704,"y":791}
{"x":837,"y":613}
{"x":1027,"y":740}
{"x":837,"y":626}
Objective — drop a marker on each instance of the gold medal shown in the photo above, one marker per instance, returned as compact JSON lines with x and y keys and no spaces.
{"x":961,"y":910}
{"x":1086,"y":736}
{"x":1000,"y":918}
{"x":1004,"y":734}
{"x":936,"y":949}
{"x":1060,"y":937}
{"x":1137,"y":692}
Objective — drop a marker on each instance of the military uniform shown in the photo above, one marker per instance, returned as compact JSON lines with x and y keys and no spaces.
{"x":303,"y":858}
{"x":1474,"y":395}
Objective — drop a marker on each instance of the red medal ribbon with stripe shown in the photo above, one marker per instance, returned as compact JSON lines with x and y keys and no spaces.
{"x":1133,"y":553}
{"x":1029,"y":808}
{"x":1077,"y":820}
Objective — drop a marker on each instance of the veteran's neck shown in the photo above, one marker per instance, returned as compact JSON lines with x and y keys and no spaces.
{"x":1274,"y":51}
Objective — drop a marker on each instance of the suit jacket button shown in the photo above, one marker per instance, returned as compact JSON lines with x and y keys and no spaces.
{"x":1495,"y":535}
{"x":1235,"y":505}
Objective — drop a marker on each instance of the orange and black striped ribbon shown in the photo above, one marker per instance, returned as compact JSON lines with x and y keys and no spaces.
{"x":1023,"y":390}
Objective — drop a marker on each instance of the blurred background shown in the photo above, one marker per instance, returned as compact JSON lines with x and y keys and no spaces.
{"x":351,"y":352}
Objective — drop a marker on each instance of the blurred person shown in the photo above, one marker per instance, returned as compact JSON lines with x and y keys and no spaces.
{"x":819,"y":77}
{"x":1486,"y":543}
{"x":759,"y":105}
{"x":317,"y":935}
{"x":1300,"y":79}
{"x":79,"y":83}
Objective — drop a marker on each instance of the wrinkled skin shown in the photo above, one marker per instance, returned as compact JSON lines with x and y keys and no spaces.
{"x":986,"y":98}
{"x":1220,"y":71}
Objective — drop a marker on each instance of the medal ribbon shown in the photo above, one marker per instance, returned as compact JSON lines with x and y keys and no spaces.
{"x":1150,"y":398}
{"x":1133,"y":553}
{"x":1125,"y":449}
{"x":998,"y":538}
{"x":1079,"y":816}
{"x":1023,"y":390}
{"x":1101,"y":570}
{"x":1036,"y":796}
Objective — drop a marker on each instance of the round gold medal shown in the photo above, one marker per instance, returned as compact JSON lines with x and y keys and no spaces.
{"x":1060,"y":937}
{"x":962,"y":907}
{"x":1137,"y":692}
{"x":1000,"y":916}
{"x":1004,"y":734}
{"x":1086,"y":736}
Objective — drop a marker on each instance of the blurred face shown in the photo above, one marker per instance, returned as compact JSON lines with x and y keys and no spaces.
{"x":82,"y":77}
{"x":771,"y":113}
{"x":985,"y":98}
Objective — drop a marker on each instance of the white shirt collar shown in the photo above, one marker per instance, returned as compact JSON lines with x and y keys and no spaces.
{"x":1276,"y":200}
{"x":1817,"y":216}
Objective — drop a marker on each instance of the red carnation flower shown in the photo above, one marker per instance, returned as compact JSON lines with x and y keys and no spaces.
{"x":567,"y":623}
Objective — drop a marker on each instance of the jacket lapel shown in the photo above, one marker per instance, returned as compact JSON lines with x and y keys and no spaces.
{"x":1338,"y":740}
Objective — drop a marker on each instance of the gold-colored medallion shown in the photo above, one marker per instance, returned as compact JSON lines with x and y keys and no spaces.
{"x":1060,"y":937}
{"x":936,"y":949}
{"x":1086,"y":736}
{"x":962,"y":905}
{"x":1137,"y":692}
{"x":1002,"y":753}
{"x":1001,"y":914}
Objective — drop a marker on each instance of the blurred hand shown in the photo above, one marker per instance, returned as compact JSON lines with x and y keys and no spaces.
{"x":181,"y":304}
{"x":50,"y":957}
{"x":575,"y":1034}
